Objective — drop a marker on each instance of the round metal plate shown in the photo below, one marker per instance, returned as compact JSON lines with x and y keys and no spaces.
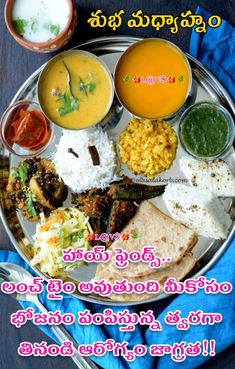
{"x":207,"y":251}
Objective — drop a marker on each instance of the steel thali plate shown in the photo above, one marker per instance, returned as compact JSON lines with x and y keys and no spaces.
{"x":205,"y":87}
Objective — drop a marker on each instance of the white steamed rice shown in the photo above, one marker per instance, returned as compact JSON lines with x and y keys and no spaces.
{"x":79,"y":173}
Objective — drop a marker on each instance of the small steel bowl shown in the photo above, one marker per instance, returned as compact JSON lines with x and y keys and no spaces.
{"x":9,"y":116}
{"x":231,"y":130}
{"x":62,"y":55}
{"x":173,"y":114}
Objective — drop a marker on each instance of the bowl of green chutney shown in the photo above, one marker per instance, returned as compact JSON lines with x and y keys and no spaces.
{"x":206,"y":131}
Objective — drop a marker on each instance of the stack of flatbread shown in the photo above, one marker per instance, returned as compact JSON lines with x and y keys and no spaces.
{"x":169,"y":239}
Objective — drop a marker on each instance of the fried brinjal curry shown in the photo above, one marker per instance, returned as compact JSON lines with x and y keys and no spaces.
{"x":111,"y":209}
{"x":35,"y":187}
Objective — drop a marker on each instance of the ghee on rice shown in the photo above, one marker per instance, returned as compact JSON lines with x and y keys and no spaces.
{"x":74,"y":163}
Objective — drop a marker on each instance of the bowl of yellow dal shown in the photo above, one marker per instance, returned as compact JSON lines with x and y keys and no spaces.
{"x":75,"y":90}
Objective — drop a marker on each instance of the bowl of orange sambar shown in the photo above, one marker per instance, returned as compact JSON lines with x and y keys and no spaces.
{"x":153,"y":79}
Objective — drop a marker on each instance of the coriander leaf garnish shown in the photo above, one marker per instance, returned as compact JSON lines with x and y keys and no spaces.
{"x":89,"y":86}
{"x":81,"y":234}
{"x":23,"y":172}
{"x":20,"y":25}
{"x":54,"y":29}
{"x":70,"y":104}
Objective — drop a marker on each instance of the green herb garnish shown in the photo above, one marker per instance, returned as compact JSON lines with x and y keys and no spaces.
{"x":34,"y":197}
{"x":89,"y":86}
{"x":23,"y":172}
{"x":20,"y":25}
{"x":180,"y":78}
{"x":81,"y":235}
{"x":74,"y":237}
{"x":30,"y":206}
{"x":70,"y":104}
{"x":54,"y":29}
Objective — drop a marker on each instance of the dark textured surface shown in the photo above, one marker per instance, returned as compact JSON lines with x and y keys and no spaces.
{"x":16,"y":64}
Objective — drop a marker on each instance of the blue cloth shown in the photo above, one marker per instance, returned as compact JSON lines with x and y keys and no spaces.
{"x":216,"y":50}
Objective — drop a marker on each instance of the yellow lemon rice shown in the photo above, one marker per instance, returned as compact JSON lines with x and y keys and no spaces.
{"x":148,"y":147}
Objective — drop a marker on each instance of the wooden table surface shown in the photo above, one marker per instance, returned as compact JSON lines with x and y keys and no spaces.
{"x":16,"y":64}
